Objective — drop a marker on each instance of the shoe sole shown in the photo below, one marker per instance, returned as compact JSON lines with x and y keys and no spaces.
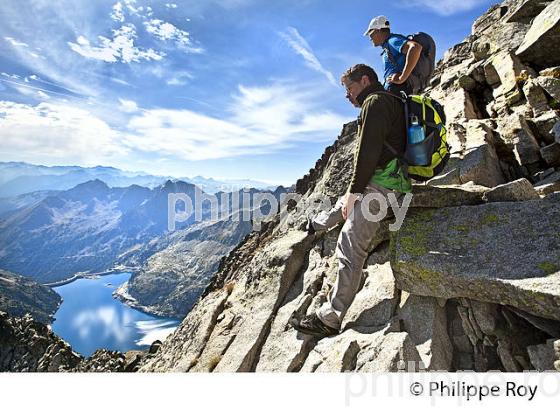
{"x":310,"y":332}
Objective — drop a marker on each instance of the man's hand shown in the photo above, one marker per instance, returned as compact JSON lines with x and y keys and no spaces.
{"x":348,"y":204}
{"x":396,"y":78}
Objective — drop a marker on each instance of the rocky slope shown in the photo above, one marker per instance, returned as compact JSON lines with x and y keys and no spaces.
{"x":471,"y":281}
{"x":20,"y":295}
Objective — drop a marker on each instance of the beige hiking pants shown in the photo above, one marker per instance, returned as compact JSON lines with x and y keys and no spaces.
{"x":351,"y":249}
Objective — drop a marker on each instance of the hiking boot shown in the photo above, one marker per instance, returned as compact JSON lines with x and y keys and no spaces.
{"x":312,"y":325}
{"x":309,"y":227}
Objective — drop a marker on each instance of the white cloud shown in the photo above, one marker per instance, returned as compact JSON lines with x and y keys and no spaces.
{"x":53,"y":133}
{"x":259,"y":120}
{"x":165,"y":31}
{"x":43,"y":95}
{"x":35,"y":55}
{"x":132,"y":9}
{"x":444,"y":7}
{"x":128,"y":106}
{"x":119,"y":48}
{"x":301,"y":47}
{"x":15,"y":43}
{"x":171,"y":5}
{"x":23,"y":47}
{"x":180,"y":78}
{"x":117,"y":13}
{"x":12,"y":76}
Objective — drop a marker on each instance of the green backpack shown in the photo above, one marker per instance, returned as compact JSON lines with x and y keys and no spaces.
{"x":431,"y":116}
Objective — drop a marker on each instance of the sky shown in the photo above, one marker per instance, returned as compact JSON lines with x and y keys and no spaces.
{"x":229,"y":89}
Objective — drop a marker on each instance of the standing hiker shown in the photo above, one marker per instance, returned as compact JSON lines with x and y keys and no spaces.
{"x":376,"y":171}
{"x":400,"y":56}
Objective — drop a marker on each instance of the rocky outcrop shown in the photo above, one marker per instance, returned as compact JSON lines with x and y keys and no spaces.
{"x":20,"y":295}
{"x":470,"y":281}
{"x":502,"y":252}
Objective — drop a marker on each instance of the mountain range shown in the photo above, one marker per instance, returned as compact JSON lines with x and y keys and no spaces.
{"x":90,"y":228}
{"x":17,"y":178}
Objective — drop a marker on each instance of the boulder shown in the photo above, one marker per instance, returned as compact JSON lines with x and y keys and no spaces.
{"x":542,"y":356}
{"x":550,"y":72}
{"x":535,"y":97}
{"x":485,"y":315}
{"x":518,"y":190}
{"x":376,"y":301}
{"x":525,"y":11}
{"x":542,"y":38}
{"x":488,"y":19}
{"x":478,"y":165}
{"x":502,"y":72}
{"x":425,"y":321}
{"x":456,"y":137}
{"x":555,"y":131}
{"x":428,"y":196}
{"x":549,"y":184}
{"x":396,"y":352}
{"x":551,"y":154}
{"x":458,"y":105}
{"x":482,"y":167}
{"x":518,"y":136}
{"x":353,"y":350}
{"x":551,"y":85}
{"x":453,"y":252}
{"x":543,"y":126}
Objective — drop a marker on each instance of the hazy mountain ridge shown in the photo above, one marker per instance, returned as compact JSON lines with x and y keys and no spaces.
{"x":17,"y":178}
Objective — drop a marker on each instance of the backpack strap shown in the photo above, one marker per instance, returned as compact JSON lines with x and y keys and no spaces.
{"x":390,"y":56}
{"x":403,"y":163}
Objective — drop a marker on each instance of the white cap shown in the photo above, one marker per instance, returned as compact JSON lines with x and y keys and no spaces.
{"x":377,"y":23}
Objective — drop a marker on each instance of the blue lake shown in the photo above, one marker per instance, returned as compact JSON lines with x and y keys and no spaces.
{"x":89,"y":318}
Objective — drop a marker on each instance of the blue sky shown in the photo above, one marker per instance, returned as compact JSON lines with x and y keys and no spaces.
{"x":220,"y":88}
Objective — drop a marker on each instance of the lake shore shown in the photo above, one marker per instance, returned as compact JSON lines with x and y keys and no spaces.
{"x":121,"y":293}
{"x":92,"y":275}
{"x":92,"y":318}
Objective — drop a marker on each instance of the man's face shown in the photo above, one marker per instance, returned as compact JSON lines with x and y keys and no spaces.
{"x":376,"y":37}
{"x":354,"y":88}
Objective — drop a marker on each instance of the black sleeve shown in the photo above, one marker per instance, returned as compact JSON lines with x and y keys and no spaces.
{"x":375,"y":118}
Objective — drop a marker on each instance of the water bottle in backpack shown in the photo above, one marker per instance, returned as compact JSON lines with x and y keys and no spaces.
{"x":416,"y":151}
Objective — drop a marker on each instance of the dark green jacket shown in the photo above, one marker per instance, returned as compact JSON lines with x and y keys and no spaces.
{"x":381,"y":119}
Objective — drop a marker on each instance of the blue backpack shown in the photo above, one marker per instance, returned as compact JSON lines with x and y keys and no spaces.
{"x":424,"y":70}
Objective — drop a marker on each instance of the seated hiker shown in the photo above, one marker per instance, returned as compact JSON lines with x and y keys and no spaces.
{"x":400,"y":55}
{"x":376,"y":171}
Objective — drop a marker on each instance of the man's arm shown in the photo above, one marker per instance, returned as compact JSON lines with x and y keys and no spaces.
{"x":375,"y":117}
{"x":412,"y":50}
